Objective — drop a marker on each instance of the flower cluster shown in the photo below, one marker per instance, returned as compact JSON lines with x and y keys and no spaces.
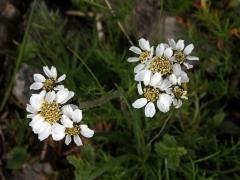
{"x":49,"y":112}
{"x":161,"y":77}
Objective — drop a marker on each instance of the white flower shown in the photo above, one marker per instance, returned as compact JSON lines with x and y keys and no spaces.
{"x":49,"y":83}
{"x":181,"y":54}
{"x":45,"y":112}
{"x":155,"y":91}
{"x":178,"y":93}
{"x":145,"y":52}
{"x":160,"y":64}
{"x":74,"y":129}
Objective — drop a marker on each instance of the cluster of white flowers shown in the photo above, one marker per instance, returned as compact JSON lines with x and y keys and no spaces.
{"x":49,"y":112}
{"x":160,"y":75}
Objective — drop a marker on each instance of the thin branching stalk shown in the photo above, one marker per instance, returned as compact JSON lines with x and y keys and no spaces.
{"x":119,"y":23}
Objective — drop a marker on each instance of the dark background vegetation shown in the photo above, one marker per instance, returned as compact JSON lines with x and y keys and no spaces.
{"x":196,"y":142}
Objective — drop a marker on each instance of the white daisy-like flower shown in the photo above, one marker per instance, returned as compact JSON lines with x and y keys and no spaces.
{"x":160,"y":64}
{"x":73,"y":114}
{"x":182,"y":53}
{"x":178,"y":93}
{"x":45,"y":112}
{"x":48,"y":83}
{"x":145,"y":52}
{"x":156,"y":91}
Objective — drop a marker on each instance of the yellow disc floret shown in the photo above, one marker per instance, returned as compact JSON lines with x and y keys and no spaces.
{"x":73,"y":131}
{"x":49,"y":84}
{"x":178,"y":92}
{"x":161,"y":65}
{"x":151,"y":93}
{"x":50,"y":111}
{"x":180,"y":57}
{"x":143,"y":56}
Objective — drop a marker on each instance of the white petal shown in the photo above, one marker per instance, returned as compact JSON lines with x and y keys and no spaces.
{"x":66,"y":121}
{"x":77,"y":115}
{"x":50,"y":96}
{"x":166,"y":45}
{"x":54,"y":72}
{"x":168,"y":52}
{"x":139,"y":103}
{"x":62,"y":95}
{"x":31,"y":109}
{"x":139,"y":88}
{"x":39,"y":78}
{"x":173,"y":79}
{"x":37,"y":124}
{"x":47,"y":71}
{"x":70,"y":95}
{"x":165,"y":84}
{"x":180,"y":45}
{"x":178,"y":104}
{"x":43,"y":127}
{"x":86,"y":132}
{"x":61,"y":78}
{"x":36,"y":86}
{"x":132,"y":59}
{"x":59,"y":87}
{"x":67,"y":110}
{"x":176,"y":69}
{"x":135,"y":49}
{"x":58,"y":132}
{"x":151,"y":52}
{"x":147,"y":77}
{"x":160,"y":50}
{"x":188,"y":66}
{"x":36,"y":100}
{"x":150,"y":110}
{"x":184,"y":77}
{"x":68,"y":140}
{"x":156,"y":78}
{"x":35,"y":121}
{"x":144,"y":44}
{"x":77,"y":140}
{"x":140,"y":75}
{"x":138,"y":68}
{"x":192,"y":58}
{"x":30,"y":115}
{"x":172,"y":43}
{"x":45,"y":133}
{"x":188,"y":49}
{"x":164,"y":102}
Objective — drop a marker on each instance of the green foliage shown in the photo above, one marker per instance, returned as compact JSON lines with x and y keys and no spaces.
{"x":168,"y":150}
{"x":17,"y":157}
{"x":198,"y":141}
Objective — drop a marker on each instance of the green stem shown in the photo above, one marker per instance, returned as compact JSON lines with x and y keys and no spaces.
{"x":160,"y":132}
{"x":166,"y":169}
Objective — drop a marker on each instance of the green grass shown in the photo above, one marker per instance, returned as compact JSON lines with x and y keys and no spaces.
{"x":197,"y":142}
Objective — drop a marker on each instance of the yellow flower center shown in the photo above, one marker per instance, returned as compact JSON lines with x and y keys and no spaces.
{"x":161,"y":65}
{"x":49,"y":84}
{"x":50,"y":111}
{"x":178,"y":92}
{"x":143,"y":56}
{"x":151,"y":93}
{"x":73,"y":131}
{"x":180,"y":57}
